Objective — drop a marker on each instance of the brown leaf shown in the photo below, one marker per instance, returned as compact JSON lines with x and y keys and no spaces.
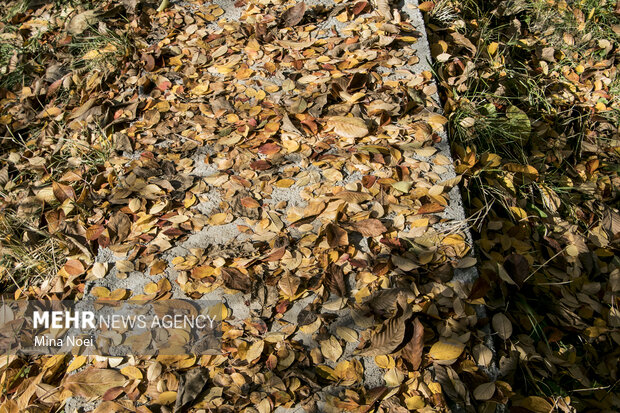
{"x":113,"y":393}
{"x":149,"y":62}
{"x":82,"y":21}
{"x":335,"y":281}
{"x":63,"y":192}
{"x":111,"y":407}
{"x":430,"y":208}
{"x":336,"y":236}
{"x":331,"y":349}
{"x":412,"y":352}
{"x":426,"y":6}
{"x":93,"y":382}
{"x":352,"y":197}
{"x":392,"y":334}
{"x":269,"y":149}
{"x":517,"y":268}
{"x":93,"y":232}
{"x":360,"y":7}
{"x":294,"y":15}
{"x":611,"y":220}
{"x":74,"y":268}
{"x":484,"y":391}
{"x":383,"y":7}
{"x":236,"y":280}
{"x":369,"y":227}
{"x":119,"y":227}
{"x":55,"y":220}
{"x":502,"y":325}
{"x":388,"y":339}
{"x":249,"y":202}
{"x":191,"y":385}
{"x":260,"y":165}
{"x":289,"y":285}
{"x":275,"y":255}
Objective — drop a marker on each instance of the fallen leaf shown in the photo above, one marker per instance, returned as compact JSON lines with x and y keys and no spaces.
{"x":446,"y":350}
{"x":93,"y":382}
{"x":63,"y":192}
{"x":484,"y":391}
{"x":502,"y":325}
{"x":331,"y":349}
{"x":369,"y":227}
{"x":236,"y":280}
{"x":294,"y":15}
{"x":348,"y":127}
{"x":412,"y":352}
{"x":191,"y":384}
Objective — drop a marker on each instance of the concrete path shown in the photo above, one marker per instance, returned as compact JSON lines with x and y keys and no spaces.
{"x":284,"y":218}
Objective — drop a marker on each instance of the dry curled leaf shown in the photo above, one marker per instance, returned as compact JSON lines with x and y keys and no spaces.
{"x":392,"y":332}
{"x":413,"y":350}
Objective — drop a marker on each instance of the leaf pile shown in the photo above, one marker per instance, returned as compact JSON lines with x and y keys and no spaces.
{"x":291,"y":154}
{"x":531,"y":92}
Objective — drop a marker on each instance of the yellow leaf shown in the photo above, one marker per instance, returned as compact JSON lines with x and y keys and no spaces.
{"x":165,"y":398}
{"x":92,"y":54}
{"x":255,"y":351}
{"x":402,"y":186}
{"x":118,"y":294}
{"x":290,"y":145}
{"x":151,"y":288}
{"x":446,"y":350}
{"x":524,"y":169}
{"x":342,"y":17}
{"x":77,"y":362}
{"x":100,"y":292}
{"x":519,"y":212}
{"x":492,"y":48}
{"x":218,"y":219}
{"x":415,"y":402}
{"x":384,"y":362}
{"x":326,"y":372}
{"x":393,"y":377}
{"x":132,"y":372}
{"x":436,"y":121}
{"x":285,"y":183}
{"x":189,"y":201}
